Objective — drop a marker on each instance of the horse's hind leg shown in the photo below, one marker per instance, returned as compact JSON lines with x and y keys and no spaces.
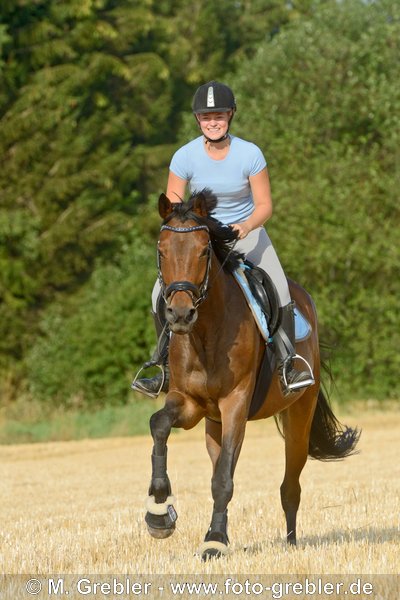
{"x":296,"y":422}
{"x":161,"y":515}
{"x":223,"y":445}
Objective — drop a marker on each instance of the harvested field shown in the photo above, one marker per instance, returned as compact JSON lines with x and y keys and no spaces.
{"x":78,"y":507}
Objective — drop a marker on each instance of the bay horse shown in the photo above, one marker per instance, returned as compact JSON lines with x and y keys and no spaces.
{"x":215,"y":354}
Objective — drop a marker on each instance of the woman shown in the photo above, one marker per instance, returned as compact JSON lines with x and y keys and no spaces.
{"x":236,"y":171}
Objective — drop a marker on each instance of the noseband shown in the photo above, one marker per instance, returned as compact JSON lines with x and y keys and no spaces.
{"x":197,"y":293}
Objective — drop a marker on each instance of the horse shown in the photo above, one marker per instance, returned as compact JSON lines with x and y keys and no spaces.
{"x":215,"y":355}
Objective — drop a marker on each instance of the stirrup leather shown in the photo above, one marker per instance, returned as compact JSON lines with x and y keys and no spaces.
{"x":143,"y":390}
{"x":299,"y":384}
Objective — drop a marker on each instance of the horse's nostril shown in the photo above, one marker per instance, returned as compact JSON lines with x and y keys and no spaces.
{"x":183,"y":316}
{"x":190,"y":315}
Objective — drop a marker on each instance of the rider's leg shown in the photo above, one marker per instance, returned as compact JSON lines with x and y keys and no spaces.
{"x":154,"y":385}
{"x":258,"y":249}
{"x":284,"y":341}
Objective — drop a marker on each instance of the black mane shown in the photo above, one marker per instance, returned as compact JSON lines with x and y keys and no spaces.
{"x":222,"y":236}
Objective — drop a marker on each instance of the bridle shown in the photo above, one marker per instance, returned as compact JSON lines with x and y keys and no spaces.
{"x":197,"y":293}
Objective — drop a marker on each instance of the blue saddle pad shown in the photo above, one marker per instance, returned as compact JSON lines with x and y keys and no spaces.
{"x":302,"y":326}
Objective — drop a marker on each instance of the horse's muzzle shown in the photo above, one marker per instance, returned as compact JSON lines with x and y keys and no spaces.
{"x":181,"y":318}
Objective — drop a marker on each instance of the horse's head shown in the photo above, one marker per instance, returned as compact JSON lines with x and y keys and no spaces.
{"x":184,"y":258}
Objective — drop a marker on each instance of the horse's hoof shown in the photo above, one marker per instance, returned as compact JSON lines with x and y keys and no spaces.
{"x":212,"y":550}
{"x":160,"y":534}
{"x":210,"y":554}
{"x":160,"y":518}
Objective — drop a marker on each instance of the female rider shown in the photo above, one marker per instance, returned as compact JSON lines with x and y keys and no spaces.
{"x":236,"y":172}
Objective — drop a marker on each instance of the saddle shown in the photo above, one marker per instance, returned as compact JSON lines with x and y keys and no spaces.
{"x":263,"y":300}
{"x":264,"y":293}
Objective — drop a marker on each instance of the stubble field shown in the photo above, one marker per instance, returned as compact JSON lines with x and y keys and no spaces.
{"x":78,"y":507}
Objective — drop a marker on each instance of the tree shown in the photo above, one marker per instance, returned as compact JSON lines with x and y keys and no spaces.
{"x":71,"y":140}
{"x":325,"y":107}
{"x":92,"y":343}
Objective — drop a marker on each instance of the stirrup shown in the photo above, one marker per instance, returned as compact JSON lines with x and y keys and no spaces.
{"x":142,"y":390}
{"x":291,"y":387}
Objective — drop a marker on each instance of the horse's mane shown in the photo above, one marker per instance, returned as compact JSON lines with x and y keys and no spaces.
{"x":222,"y":236}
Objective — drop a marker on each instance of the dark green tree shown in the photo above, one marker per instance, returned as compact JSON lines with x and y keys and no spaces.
{"x":86,"y":90}
{"x":91,"y":343}
{"x":325,"y":107}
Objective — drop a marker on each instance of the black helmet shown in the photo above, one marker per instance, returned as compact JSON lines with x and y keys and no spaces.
{"x":213,"y":97}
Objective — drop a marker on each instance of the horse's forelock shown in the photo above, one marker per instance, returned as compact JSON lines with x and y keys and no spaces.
{"x":186,"y":210}
{"x":210,"y":199}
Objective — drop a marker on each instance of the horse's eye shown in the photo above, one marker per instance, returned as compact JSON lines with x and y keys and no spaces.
{"x":204,"y":253}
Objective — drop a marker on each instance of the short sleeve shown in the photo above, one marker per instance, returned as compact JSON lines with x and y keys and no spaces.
{"x":180,"y":165}
{"x":258,"y":162}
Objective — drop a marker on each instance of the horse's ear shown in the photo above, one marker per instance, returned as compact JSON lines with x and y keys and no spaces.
{"x":164,"y":206}
{"x":200,"y":205}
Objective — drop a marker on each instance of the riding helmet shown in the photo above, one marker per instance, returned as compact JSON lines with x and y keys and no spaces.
{"x":213,"y":97}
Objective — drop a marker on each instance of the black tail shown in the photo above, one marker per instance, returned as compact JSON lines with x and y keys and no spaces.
{"x":329,"y":440}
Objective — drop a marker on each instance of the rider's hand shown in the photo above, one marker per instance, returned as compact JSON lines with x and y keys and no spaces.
{"x":242,"y":229}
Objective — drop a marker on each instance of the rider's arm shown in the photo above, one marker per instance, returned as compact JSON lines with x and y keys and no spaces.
{"x":176,"y":187}
{"x":261,"y":191}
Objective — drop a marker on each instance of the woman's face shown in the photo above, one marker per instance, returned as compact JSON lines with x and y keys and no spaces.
{"x":214,"y":125}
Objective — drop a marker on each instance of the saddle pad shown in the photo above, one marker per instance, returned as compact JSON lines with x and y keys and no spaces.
{"x":302,"y":326}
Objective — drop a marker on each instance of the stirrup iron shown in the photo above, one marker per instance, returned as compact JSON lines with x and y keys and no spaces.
{"x":143,"y":390}
{"x":291,"y":387}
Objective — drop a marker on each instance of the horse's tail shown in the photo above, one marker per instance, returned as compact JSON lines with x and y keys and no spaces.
{"x":329,"y":440}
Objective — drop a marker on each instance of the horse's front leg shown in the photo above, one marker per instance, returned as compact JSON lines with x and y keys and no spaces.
{"x":161,"y":514}
{"x":229,"y":438}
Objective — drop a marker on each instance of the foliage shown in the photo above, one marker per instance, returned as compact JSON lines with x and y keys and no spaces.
{"x":71,"y":133}
{"x":90,"y":346}
{"x":325,"y":107}
{"x":28,"y":421}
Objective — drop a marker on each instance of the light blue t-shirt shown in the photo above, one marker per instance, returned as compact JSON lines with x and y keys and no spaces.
{"x":228,"y":179}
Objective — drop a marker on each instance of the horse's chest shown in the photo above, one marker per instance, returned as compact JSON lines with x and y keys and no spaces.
{"x":201,"y":371}
{"x":207,"y":380}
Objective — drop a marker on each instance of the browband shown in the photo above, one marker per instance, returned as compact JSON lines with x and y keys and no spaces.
{"x":184,"y":229}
